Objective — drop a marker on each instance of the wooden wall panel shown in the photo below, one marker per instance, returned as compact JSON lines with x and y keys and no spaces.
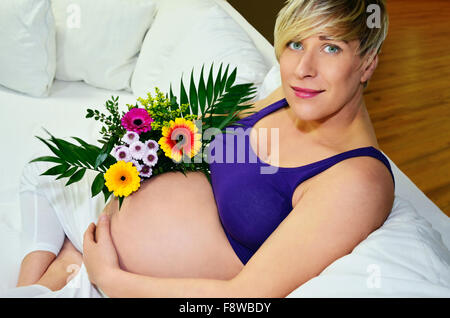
{"x":408,"y":97}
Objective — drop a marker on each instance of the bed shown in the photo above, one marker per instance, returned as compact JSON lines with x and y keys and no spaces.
{"x":407,"y":257}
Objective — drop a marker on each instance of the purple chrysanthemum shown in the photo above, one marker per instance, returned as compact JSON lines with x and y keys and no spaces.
{"x":152,"y":145}
{"x":137,"y":150}
{"x":146,"y":171}
{"x":136,"y":164}
{"x":123,"y":153}
{"x":137,"y":120}
{"x":150,"y":158}
{"x":130,"y":137}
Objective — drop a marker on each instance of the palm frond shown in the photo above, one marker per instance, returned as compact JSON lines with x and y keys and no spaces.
{"x":219,"y":101}
{"x":73,"y":160}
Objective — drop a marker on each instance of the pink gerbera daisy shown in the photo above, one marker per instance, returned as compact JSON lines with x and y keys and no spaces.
{"x":137,"y":120}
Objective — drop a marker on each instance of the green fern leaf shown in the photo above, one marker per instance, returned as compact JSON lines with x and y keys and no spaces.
{"x":98,"y":184}
{"x":193,"y":99}
{"x":60,"y":169}
{"x":77,"y":176}
{"x":210,"y":86}
{"x":68,"y":173}
{"x":183,"y":95}
{"x":202,"y":93}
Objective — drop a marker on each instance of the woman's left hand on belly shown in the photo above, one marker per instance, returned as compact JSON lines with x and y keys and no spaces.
{"x":99,"y":254}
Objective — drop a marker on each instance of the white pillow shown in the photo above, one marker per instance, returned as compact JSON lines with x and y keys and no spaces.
{"x":405,"y":257}
{"x":271,"y":82}
{"x":99,"y":41}
{"x":188,"y":34}
{"x":27,"y":46}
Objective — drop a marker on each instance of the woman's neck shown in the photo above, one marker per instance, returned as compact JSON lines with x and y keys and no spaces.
{"x":347,"y":128}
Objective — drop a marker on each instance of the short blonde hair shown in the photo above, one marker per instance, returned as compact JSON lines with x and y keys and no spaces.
{"x":339,"y":19}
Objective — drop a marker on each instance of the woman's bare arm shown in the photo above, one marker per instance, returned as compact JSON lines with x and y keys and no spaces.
{"x":34,"y":266}
{"x":333,"y":216}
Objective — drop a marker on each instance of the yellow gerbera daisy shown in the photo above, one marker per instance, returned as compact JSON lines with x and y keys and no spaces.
{"x":180,"y":137}
{"x":122,"y":178}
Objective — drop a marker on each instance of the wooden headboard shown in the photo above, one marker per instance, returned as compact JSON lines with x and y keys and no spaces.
{"x":261,"y":14}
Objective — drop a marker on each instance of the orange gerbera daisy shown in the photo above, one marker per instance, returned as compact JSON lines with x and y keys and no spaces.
{"x":180,"y":137}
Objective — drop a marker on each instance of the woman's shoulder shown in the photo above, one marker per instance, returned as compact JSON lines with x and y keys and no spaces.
{"x":364,"y":174}
{"x":360,"y":183}
{"x":275,"y":96}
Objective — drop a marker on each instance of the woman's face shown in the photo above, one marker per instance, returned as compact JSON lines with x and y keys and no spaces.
{"x":330,"y":68}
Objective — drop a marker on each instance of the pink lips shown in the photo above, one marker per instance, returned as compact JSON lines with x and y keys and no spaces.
{"x":305,"y":92}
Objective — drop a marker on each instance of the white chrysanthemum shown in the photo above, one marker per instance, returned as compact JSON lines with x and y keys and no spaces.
{"x":146,"y":171}
{"x":114,"y":151}
{"x":152,"y":145}
{"x":136,"y":164}
{"x":130,"y":137}
{"x":150,"y":158}
{"x":123,"y":153}
{"x":137,"y":150}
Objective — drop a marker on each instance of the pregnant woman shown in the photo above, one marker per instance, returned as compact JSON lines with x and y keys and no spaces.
{"x":253,"y":234}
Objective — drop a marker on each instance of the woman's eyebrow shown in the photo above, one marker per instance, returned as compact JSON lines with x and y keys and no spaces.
{"x":326,"y":38}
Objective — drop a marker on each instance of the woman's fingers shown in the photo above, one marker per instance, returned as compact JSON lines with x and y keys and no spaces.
{"x":102,"y":231}
{"x":89,"y":235}
{"x":99,"y":254}
{"x":99,"y":232}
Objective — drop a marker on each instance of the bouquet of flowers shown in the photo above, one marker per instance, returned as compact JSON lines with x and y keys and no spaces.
{"x":157,"y":136}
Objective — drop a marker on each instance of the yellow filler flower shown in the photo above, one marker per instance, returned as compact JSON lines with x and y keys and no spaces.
{"x":179,"y":138}
{"x":122,"y":178}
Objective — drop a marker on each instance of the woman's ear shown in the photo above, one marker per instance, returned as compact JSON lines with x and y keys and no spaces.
{"x":369,"y":69}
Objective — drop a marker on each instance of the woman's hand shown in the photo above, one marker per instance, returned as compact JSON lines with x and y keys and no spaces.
{"x":99,"y":254}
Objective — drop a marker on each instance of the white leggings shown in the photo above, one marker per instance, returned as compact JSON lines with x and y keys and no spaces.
{"x":40,"y":225}
{"x":50,"y":210}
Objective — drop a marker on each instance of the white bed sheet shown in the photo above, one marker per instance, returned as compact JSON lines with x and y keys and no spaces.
{"x":403,"y":258}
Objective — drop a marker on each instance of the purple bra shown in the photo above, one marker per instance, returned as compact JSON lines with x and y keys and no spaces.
{"x":251,"y":201}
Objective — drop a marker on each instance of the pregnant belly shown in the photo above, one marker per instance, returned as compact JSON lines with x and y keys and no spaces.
{"x":171,"y":228}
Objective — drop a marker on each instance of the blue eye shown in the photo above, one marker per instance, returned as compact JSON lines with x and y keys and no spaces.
{"x":295,"y":45}
{"x":334,"y":49}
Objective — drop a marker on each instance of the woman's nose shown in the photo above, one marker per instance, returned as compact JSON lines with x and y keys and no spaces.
{"x":306,"y":66}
